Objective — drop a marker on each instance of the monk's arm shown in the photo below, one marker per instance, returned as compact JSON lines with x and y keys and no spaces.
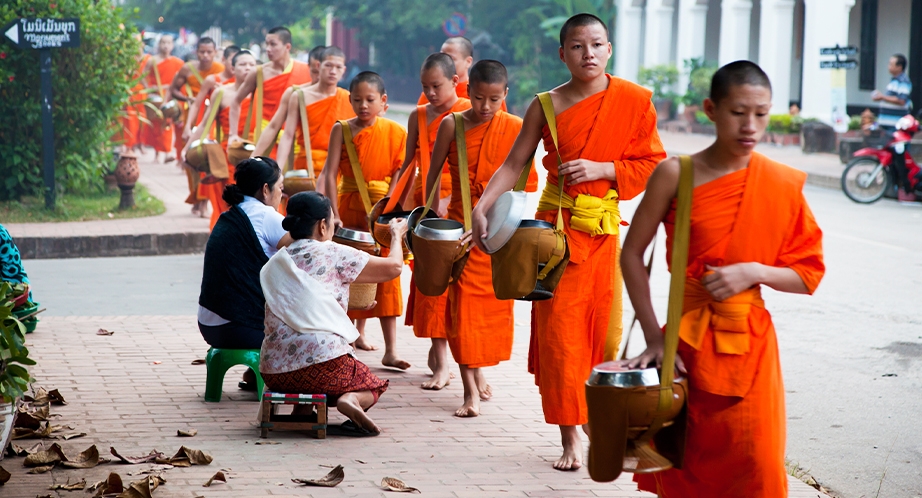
{"x":288,"y":136}
{"x":654,"y":206}
{"x":443,"y":140}
{"x":233,"y":119}
{"x":197,"y":134}
{"x":378,"y":269}
{"x":326,"y":183}
{"x":176,"y":85}
{"x":642,"y":155}
{"x":207,"y":86}
{"x":271,"y":131}
{"x":409,"y":156}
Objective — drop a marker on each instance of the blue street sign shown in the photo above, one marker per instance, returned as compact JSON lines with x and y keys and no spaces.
{"x":455,"y":25}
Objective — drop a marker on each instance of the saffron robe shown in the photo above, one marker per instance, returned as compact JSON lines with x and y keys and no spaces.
{"x":214,"y":191}
{"x":569,"y":331}
{"x":380,"y":148}
{"x":159,"y":134}
{"x":130,"y":133}
{"x":191,"y":90}
{"x":321,"y":116}
{"x":736,"y":418}
{"x":427,"y":313}
{"x":480,"y":327}
{"x":462,"y":91}
{"x":298,"y":73}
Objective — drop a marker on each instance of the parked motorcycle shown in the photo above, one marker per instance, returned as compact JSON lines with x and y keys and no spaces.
{"x":870,"y":174}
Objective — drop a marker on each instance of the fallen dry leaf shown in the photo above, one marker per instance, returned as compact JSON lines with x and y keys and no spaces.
{"x":143,"y":488}
{"x":198,"y":361}
{"x":42,"y":432}
{"x":219,"y":476}
{"x":104,"y":332}
{"x":150,"y":457}
{"x":77,"y":486}
{"x":330,"y":480}
{"x":68,"y":437}
{"x":40,"y":470}
{"x":394,"y":484}
{"x":4,"y":476}
{"x":112,"y":485}
{"x":15,"y":450}
{"x":87,"y":459}
{"x":50,"y":456}
{"x":265,"y":441}
{"x":187,"y":433}
{"x":55,"y":396}
{"x":31,"y":419}
{"x":187,"y":456}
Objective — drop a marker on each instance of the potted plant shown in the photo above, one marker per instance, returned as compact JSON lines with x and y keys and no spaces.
{"x":661,"y":80}
{"x":14,"y":357}
{"x":699,"y":86}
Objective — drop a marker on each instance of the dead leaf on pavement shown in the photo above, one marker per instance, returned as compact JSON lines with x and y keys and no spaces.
{"x":150,"y":457}
{"x":394,"y":484}
{"x":15,"y":450}
{"x":87,"y":459}
{"x":77,"y":486}
{"x":43,"y":431}
{"x":104,"y":332}
{"x":265,"y":441}
{"x":50,"y":456}
{"x":187,"y":456}
{"x":68,"y":437}
{"x":112,"y":485}
{"x":31,"y":419}
{"x":55,"y":396}
{"x":40,"y":470}
{"x":219,"y":476}
{"x":187,"y":433}
{"x":143,"y":488}
{"x":330,"y":480}
{"x":4,"y":476}
{"x":198,"y":361}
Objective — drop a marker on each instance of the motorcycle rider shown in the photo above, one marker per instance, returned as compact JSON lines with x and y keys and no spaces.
{"x":894,"y":104}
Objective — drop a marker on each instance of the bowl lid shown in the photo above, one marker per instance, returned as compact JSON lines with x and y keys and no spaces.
{"x":354,"y":235}
{"x":611,"y":373}
{"x":503,"y":218}
{"x":296,"y":173}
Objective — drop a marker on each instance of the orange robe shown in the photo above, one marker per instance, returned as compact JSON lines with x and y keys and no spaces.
{"x":569,"y":330}
{"x":461,"y":90}
{"x":214,"y":191}
{"x":159,"y":134}
{"x":191,"y":89}
{"x":427,"y":313}
{"x":321,"y":116}
{"x":736,"y":417}
{"x":274,"y":88}
{"x":130,"y":133}
{"x":380,"y":149}
{"x":480,"y":328}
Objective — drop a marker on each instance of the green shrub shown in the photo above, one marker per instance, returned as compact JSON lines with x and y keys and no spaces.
{"x":90,"y":89}
{"x":661,"y":79}
{"x":784,"y":123}
{"x":14,"y":356}
{"x":854,"y":123}
{"x":702,"y":118}
{"x":700,"y":73}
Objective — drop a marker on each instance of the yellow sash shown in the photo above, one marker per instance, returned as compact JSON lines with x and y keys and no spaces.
{"x":590,"y":214}
{"x":377,"y":189}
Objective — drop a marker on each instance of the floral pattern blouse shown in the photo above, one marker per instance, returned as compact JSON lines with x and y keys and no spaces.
{"x":333,"y":265}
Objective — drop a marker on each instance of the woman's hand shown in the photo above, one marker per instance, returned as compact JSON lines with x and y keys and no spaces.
{"x":337,"y":223}
{"x":370,"y":306}
{"x":398,"y":226}
{"x":723,"y":282}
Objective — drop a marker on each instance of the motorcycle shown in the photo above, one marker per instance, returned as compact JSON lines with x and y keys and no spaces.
{"x":870,"y":174}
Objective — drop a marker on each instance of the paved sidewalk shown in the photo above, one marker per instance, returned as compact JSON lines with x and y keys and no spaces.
{"x":133,"y":390}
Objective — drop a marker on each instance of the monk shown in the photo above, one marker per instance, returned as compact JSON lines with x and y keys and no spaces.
{"x":280,"y":73}
{"x":480,"y":327}
{"x":242,"y":63}
{"x":161,"y":69}
{"x":130,"y":134}
{"x":211,"y":82}
{"x":608,"y":146}
{"x":461,"y":51}
{"x":380,"y":145}
{"x":427,"y":314}
{"x":750,"y":227}
{"x":325,"y":104}
{"x":314,"y":58}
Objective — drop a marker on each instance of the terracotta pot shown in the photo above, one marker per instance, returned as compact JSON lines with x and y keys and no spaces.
{"x":127,"y":171}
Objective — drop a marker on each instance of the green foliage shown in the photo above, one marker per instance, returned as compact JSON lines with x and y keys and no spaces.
{"x":854,"y":123}
{"x":784,"y":123}
{"x":700,"y":73}
{"x":702,"y":118}
{"x":661,"y":79}
{"x":83,"y":207}
{"x":14,"y":356}
{"x":90,"y":86}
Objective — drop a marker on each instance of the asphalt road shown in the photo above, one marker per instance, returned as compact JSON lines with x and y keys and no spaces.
{"x":851,"y":354}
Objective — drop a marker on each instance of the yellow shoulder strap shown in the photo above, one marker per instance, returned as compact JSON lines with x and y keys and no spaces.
{"x":306,"y":133}
{"x":522,"y":182}
{"x":547,"y":105}
{"x":213,"y":111}
{"x":258,"y":102}
{"x":465,"y":181}
{"x":157,"y":78}
{"x":195,"y":73}
{"x":424,"y":154}
{"x":356,"y":167}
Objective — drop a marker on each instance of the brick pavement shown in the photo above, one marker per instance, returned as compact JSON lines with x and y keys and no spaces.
{"x":121,"y":398}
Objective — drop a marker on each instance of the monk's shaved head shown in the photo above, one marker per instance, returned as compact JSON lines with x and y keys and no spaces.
{"x":283,"y":33}
{"x":316,"y":53}
{"x":578,"y":21}
{"x":332,"y":51}
{"x":369,"y":77}
{"x":489,"y":72}
{"x":230,"y":51}
{"x":737,"y":74}
{"x":463,"y":44}
{"x":441,"y":61}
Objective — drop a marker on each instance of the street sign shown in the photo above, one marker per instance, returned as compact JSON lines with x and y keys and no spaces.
{"x":839,"y":51}
{"x":846,"y":64}
{"x":40,"y":33}
{"x":43,"y":34}
{"x":455,"y":25}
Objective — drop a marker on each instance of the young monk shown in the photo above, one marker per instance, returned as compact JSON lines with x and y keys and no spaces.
{"x":280,"y":73}
{"x":608,"y":145}
{"x":480,"y":328}
{"x":161,"y":69}
{"x":461,"y":51}
{"x":325,"y":104}
{"x":380,"y":145}
{"x":314,"y":58}
{"x":427,"y":314}
{"x":130,"y":133}
{"x":750,"y":226}
{"x":211,"y":82}
{"x":243,"y":63}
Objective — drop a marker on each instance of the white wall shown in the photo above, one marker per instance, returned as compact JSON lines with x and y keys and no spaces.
{"x":893,"y":18}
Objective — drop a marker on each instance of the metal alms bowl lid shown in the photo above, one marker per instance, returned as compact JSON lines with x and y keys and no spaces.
{"x":202,"y":141}
{"x":354,"y":235}
{"x":296,"y":173}
{"x":439,"y":229}
{"x":503,"y":218}
{"x":611,"y":374}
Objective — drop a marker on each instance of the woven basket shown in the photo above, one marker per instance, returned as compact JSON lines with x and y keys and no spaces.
{"x":361,"y":295}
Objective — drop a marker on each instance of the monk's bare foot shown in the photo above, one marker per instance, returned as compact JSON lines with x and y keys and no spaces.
{"x":572,"y":457}
{"x":484,"y":390}
{"x":470,"y":408}
{"x":349,"y":405}
{"x":364,"y":345}
{"x":394,"y":361}
{"x":439,"y":380}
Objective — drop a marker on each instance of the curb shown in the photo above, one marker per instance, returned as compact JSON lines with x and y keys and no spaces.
{"x":102,"y":246}
{"x":824,"y":181}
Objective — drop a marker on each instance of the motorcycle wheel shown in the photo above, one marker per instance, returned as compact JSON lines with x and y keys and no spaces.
{"x":865,"y":180}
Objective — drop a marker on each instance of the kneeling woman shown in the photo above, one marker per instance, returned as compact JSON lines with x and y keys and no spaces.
{"x":308,"y":334}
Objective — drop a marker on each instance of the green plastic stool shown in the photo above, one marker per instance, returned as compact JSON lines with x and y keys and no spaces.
{"x":218,"y":361}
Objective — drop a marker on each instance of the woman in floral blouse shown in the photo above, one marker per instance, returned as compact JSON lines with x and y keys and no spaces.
{"x":307,"y":348}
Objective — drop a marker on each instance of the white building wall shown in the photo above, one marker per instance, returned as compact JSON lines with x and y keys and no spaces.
{"x":825,"y":25}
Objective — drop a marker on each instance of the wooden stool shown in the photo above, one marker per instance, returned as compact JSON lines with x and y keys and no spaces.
{"x":269,"y":419}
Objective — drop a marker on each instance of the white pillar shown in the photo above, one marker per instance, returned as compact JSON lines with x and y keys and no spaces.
{"x":735,"y":16}
{"x":692,"y":33}
{"x":825,"y":25}
{"x":776,"y":35}
{"x":658,"y":32}
{"x":627,"y":38}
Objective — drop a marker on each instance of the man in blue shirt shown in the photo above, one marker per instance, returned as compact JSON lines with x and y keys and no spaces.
{"x":894,"y":104}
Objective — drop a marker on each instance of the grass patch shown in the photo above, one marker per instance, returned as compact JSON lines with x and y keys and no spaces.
{"x":80,"y":207}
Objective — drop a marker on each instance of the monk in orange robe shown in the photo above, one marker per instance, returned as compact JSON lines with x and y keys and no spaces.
{"x":480,"y":327}
{"x":750,"y":226}
{"x":280,"y":73}
{"x":425,"y":313}
{"x":325,"y":104}
{"x":242,"y":63}
{"x":130,"y":133}
{"x":379,"y":146}
{"x":161,"y":69}
{"x":605,"y":148}
{"x":461,"y":51}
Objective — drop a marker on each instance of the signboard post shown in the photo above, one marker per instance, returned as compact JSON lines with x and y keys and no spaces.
{"x":837,"y":87}
{"x":43,"y":34}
